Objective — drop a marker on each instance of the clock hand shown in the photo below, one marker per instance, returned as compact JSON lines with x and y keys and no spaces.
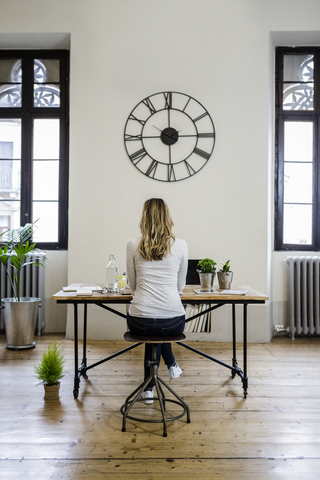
{"x":166,"y":134}
{"x":162,"y":131}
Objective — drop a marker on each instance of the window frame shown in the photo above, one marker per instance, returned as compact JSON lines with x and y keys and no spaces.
{"x":28,"y":113}
{"x":282,"y":116}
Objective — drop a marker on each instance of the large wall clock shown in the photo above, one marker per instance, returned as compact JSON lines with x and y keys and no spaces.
{"x":169,"y":136}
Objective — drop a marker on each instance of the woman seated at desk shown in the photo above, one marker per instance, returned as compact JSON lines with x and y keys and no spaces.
{"x":157,"y":265}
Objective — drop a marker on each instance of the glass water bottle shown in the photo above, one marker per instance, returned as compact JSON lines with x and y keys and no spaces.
{"x":112,"y":272}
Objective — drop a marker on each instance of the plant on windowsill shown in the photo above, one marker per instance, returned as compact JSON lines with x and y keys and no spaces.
{"x":207,"y":271}
{"x":20,"y":313}
{"x":225,"y":276}
{"x":50,"y":370}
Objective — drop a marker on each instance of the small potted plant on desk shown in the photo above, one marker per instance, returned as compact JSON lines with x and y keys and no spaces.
{"x":20,"y":313}
{"x":207,"y":271}
{"x":50,"y":370}
{"x":225,"y":276}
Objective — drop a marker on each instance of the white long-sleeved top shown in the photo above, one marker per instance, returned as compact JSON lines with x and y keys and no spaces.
{"x":156,"y":285}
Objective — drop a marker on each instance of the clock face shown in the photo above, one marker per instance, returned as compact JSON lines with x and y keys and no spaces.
{"x":169,"y":136}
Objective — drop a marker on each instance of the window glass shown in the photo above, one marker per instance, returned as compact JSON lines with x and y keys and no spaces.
{"x":10,"y":168}
{"x":298,"y":183}
{"x":47,"y":70}
{"x":10,"y":82}
{"x":298,"y":141}
{"x":46,"y":94}
{"x":47,"y":225}
{"x":46,"y":142}
{"x":298,"y":68}
{"x":46,"y":138}
{"x":300,"y":215}
{"x":45,"y":180}
{"x":298,"y":97}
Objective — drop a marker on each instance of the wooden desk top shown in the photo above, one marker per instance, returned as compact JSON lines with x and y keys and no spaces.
{"x":251,"y":294}
{"x":187,"y":295}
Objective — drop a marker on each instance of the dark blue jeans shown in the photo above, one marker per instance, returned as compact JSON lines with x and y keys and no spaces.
{"x":156,"y":327}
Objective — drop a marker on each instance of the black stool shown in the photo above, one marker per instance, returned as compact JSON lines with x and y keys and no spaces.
{"x":158,"y":382}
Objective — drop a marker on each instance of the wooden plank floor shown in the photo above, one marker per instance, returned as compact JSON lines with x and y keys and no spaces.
{"x":273,"y":434}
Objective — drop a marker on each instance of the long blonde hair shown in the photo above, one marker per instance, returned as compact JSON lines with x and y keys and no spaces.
{"x":156,"y":229}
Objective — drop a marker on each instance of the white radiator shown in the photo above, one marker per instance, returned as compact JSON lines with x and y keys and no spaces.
{"x":304,"y":295}
{"x":31,"y":285}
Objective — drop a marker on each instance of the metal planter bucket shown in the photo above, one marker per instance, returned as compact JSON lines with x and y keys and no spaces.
{"x":225,"y":280}
{"x":20,"y":321}
{"x":206,"y":280}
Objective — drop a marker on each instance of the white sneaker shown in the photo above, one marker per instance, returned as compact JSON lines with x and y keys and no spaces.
{"x":174,"y":371}
{"x":147,"y":394}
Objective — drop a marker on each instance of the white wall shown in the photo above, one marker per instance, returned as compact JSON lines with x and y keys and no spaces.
{"x":221,"y":54}
{"x":56,"y":276}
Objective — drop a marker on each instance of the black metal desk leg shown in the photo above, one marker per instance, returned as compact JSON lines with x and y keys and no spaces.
{"x":84,"y":355}
{"x":234,"y":340}
{"x":76,"y":378}
{"x":245,"y":377}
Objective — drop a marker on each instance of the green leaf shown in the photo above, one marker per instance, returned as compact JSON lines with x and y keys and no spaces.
{"x":207,"y":265}
{"x":51,"y":366}
{"x":18,"y":252}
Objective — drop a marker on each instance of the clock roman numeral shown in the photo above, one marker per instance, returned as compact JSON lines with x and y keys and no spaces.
{"x":200,"y":116}
{"x":171,"y":173}
{"x":168,"y":99}
{"x":152,"y":169}
{"x":147,"y":102}
{"x":132,"y":117}
{"x":138,"y":155}
{"x":206,"y":135}
{"x":186,"y":104}
{"x":202,"y":153}
{"x":191,"y":170}
{"x":130,"y":138}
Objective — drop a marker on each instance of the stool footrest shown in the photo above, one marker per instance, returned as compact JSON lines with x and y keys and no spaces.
{"x":161,"y":398}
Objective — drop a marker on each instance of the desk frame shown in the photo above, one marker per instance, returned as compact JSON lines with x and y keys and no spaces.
{"x":121,"y":299}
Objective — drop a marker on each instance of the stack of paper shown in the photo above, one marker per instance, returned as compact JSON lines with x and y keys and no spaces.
{"x":84,"y":292}
{"x":80,"y":289}
{"x":233,"y":292}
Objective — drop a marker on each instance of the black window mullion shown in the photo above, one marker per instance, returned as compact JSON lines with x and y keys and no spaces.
{"x":63,"y":181}
{"x":26,"y":143}
{"x":26,"y":169}
{"x":279,"y":187}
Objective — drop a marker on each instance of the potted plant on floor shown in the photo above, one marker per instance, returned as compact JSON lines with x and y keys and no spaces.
{"x":225,"y":276}
{"x":50,"y":370}
{"x":20,"y":313}
{"x":207,"y":271}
